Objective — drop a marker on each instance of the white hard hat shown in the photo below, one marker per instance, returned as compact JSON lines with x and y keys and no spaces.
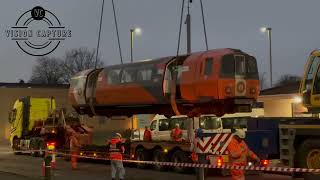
{"x":118,"y":135}
{"x":240,"y":133}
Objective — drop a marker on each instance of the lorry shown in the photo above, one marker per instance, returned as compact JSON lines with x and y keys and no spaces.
{"x":35,"y":122}
{"x":163,"y":149}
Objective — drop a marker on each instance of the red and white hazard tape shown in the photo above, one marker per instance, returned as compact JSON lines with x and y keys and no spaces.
{"x":196,"y":165}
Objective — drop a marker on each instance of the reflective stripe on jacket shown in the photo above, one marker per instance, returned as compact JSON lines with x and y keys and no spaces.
{"x":116,"y":149}
{"x":74,"y":143}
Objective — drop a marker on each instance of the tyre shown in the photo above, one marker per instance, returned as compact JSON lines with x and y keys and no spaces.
{"x":41,"y":148}
{"x":33,"y":146}
{"x":180,"y":157}
{"x":159,"y":156}
{"x":141,"y":156}
{"x":15,"y":146}
{"x":308,"y":154}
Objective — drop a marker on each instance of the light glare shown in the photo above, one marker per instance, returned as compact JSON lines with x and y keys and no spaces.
{"x":137,"y":31}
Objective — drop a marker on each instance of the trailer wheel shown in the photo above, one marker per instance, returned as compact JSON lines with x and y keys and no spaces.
{"x":15,"y":146}
{"x":33,"y":146}
{"x":159,"y":156}
{"x":140,"y":156}
{"x":41,"y":148}
{"x":308,"y":154}
{"x":180,"y":157}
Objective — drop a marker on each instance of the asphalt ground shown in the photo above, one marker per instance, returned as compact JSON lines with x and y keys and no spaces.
{"x":27,"y":167}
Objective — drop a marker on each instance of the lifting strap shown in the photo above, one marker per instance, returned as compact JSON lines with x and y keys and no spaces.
{"x":175,"y":69}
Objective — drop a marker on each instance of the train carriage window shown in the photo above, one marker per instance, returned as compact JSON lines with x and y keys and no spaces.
{"x":240,"y":65}
{"x":144,"y":74}
{"x":113,"y":76}
{"x":128,"y":75}
{"x":252,"y":69}
{"x":227,"y":66}
{"x":208,"y":66}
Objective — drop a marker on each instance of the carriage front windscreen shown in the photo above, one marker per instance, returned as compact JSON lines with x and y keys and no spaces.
{"x":239,"y":65}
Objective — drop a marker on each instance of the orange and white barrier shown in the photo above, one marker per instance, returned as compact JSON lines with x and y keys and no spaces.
{"x":207,"y":166}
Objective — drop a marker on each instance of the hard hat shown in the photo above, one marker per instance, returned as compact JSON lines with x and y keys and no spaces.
{"x":117,"y":135}
{"x":240,"y":133}
{"x":177,"y":125}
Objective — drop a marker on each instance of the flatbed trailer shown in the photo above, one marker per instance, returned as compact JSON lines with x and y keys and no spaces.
{"x":161,"y":151}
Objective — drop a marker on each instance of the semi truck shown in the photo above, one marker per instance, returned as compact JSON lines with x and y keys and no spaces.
{"x":163,"y":149}
{"x":36,"y":122}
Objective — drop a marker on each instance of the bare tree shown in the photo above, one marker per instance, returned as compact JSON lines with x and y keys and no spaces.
{"x":47,"y":71}
{"x":288,"y":79}
{"x":58,"y":71}
{"x":77,"y":60}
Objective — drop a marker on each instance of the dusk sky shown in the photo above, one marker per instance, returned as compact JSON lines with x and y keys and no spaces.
{"x":230,"y":23}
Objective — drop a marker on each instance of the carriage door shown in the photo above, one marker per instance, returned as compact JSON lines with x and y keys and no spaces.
{"x":240,"y":72}
{"x":167,"y":82}
{"x":91,"y":86}
{"x":78,"y":84}
{"x":91,"y":89}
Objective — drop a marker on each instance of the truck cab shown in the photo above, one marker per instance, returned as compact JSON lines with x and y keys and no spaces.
{"x":26,"y":119}
{"x":310,"y":83}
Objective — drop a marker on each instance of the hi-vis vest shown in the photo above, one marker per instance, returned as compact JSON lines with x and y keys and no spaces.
{"x":115,"y":149}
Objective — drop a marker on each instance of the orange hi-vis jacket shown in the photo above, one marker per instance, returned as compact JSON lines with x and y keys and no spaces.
{"x":176,"y":134}
{"x":74,"y":143}
{"x":239,"y":154}
{"x":147,"y":135}
{"x":116,"y":149}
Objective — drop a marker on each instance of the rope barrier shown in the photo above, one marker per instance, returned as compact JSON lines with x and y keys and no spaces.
{"x":192,"y":165}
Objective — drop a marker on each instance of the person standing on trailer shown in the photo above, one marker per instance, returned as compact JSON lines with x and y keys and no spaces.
{"x":239,"y":154}
{"x":74,"y":149}
{"x":176,"y":133}
{"x":116,"y":149}
{"x":147,"y":134}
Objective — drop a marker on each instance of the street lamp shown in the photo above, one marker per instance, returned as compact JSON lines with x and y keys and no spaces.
{"x":268,"y":31}
{"x":133,"y":31}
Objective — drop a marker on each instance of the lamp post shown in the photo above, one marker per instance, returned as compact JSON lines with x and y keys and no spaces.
{"x":133,"y":31}
{"x":268,"y":31}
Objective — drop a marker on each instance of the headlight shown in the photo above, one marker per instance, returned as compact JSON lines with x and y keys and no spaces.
{"x":227,"y":90}
{"x":253,"y":90}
